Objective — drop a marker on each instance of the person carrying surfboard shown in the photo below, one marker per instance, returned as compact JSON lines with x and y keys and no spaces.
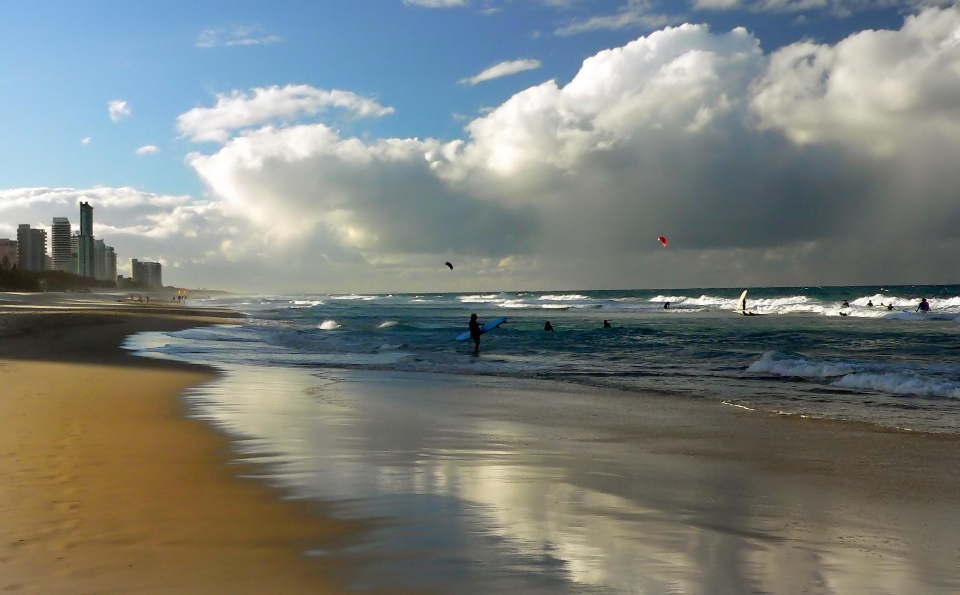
{"x":475,"y":333}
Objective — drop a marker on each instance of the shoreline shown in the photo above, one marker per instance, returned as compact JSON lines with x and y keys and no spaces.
{"x":109,"y":487}
{"x":610,"y":487}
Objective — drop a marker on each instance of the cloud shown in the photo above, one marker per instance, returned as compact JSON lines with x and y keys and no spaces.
{"x":436,"y":3}
{"x":85,"y":140}
{"x":841,"y":8}
{"x":636,"y":14}
{"x":872,"y":91}
{"x":502,"y":69}
{"x":147,"y":150}
{"x":716,"y":4}
{"x":240,"y":110}
{"x":236,"y":36}
{"x":118,"y":110}
{"x":814,"y":164}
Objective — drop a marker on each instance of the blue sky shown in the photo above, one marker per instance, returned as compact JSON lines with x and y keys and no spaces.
{"x":62,"y":63}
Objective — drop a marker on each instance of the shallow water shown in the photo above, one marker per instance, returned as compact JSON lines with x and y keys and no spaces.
{"x":894,"y":368}
{"x":487,"y":486}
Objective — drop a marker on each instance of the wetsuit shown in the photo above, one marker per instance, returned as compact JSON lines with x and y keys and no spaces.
{"x":475,"y":333}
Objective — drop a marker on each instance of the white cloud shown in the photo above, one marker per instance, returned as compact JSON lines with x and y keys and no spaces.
{"x":236,"y":36}
{"x":436,"y":3}
{"x":638,"y":14}
{"x":240,"y":110}
{"x":85,"y":140}
{"x":760,"y":169}
{"x":118,"y":110}
{"x":716,"y":4}
{"x":502,"y":69}
{"x":147,"y":150}
{"x":836,"y":7}
{"x":873,"y":90}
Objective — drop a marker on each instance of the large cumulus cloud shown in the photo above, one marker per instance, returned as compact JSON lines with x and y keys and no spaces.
{"x":813,"y":164}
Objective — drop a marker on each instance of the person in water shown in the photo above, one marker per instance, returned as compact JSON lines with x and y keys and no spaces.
{"x":606,"y":324}
{"x":889,"y":307}
{"x":475,"y":333}
{"x":924,"y":306}
{"x":869,"y":303}
{"x":666,"y":305}
{"x":846,"y":304}
{"x":547,"y":326}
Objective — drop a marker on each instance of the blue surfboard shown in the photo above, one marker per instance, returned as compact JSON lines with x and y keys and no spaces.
{"x":484,"y":329}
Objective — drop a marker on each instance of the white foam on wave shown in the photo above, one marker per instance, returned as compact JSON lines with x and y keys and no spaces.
{"x":774,"y":363}
{"x":308,"y":303}
{"x":328,"y":325}
{"x":354,"y":296}
{"x":563,"y":297}
{"x":901,"y":384}
{"x":388,"y":324}
{"x":856,"y":376}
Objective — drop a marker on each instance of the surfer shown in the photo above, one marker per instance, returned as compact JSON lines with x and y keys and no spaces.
{"x":924,"y":306}
{"x":548,"y":327}
{"x":889,"y":307}
{"x":475,"y":333}
{"x":846,"y":304}
{"x":606,"y":324}
{"x":666,"y":305}
{"x":869,"y":303}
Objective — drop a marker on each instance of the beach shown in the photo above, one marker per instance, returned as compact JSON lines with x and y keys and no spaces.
{"x":157,"y":475}
{"x":108,"y":488}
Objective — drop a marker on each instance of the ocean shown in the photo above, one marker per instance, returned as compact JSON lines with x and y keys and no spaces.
{"x":895,"y":368}
{"x":541,"y":465}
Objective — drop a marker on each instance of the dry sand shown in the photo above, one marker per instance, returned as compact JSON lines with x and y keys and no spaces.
{"x":107,"y":488}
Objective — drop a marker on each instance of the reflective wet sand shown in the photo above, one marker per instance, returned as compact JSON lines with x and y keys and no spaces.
{"x":487,"y":485}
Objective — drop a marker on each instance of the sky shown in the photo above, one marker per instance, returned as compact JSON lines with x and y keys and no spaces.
{"x":344,"y":146}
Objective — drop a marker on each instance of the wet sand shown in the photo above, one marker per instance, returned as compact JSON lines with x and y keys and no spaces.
{"x":503,"y":485}
{"x":107,"y":487}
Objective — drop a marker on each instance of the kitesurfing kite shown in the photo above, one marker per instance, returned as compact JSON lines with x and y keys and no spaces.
{"x":663,"y":241}
{"x":449,"y":265}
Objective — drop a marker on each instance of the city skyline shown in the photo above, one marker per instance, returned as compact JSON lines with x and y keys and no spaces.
{"x":535,"y":145}
{"x":78,"y":253}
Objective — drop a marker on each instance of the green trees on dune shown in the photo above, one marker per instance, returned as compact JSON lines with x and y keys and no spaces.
{"x":16,"y":280}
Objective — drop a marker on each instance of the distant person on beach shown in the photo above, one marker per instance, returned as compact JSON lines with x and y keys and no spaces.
{"x":924,"y":306}
{"x":548,"y":327}
{"x":475,"y":333}
{"x":606,"y":324}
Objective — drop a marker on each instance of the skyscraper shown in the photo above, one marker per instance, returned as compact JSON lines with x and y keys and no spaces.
{"x":60,"y":245}
{"x":147,"y":274}
{"x":31,"y":248}
{"x":85,"y":254}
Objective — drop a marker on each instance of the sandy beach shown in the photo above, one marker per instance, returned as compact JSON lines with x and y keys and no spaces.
{"x":108,"y":488}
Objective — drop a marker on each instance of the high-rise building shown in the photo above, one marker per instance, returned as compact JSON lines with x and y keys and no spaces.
{"x":31,"y":248}
{"x":60,"y":234}
{"x":147,"y":274}
{"x":8,"y":254}
{"x":111,"y":265}
{"x":75,"y":252}
{"x":85,"y":252}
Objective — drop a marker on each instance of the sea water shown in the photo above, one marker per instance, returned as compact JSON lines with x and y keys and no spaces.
{"x":485,"y":484}
{"x":895,"y":368}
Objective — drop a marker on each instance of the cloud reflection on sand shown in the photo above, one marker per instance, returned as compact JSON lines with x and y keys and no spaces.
{"x":484,"y":493}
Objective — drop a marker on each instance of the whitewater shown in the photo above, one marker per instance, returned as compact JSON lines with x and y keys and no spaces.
{"x":800,"y":356}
